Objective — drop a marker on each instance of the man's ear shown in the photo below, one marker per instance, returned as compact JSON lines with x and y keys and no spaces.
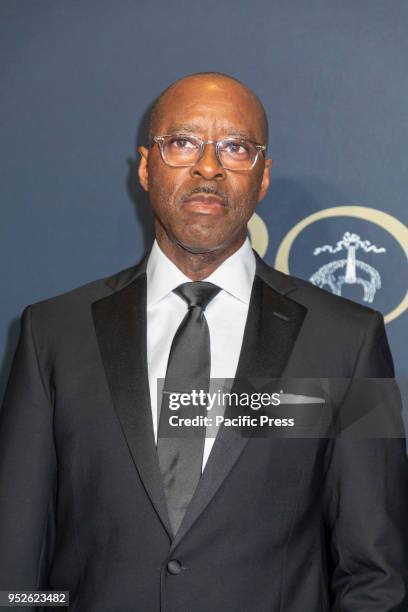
{"x":265,"y":179}
{"x":143,"y":170}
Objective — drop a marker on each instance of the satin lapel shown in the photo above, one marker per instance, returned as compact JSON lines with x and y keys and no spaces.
{"x":120,"y":324}
{"x":272,"y":326}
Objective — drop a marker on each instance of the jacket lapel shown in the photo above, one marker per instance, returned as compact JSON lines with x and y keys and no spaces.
{"x":272,"y":326}
{"x":120,"y":324}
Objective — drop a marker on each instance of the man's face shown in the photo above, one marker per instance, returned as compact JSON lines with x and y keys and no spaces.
{"x":205,"y":208}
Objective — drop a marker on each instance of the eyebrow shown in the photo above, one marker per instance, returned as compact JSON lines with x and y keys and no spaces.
{"x":193,"y":128}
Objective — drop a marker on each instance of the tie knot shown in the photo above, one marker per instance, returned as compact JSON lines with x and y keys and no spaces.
{"x":197,"y":293}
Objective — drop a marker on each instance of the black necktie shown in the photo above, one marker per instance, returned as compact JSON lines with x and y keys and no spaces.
{"x":180,"y":451}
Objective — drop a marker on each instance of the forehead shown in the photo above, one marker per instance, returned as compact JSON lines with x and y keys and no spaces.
{"x":211,"y":108}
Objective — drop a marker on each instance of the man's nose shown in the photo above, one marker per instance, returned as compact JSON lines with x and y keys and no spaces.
{"x":208,"y":166}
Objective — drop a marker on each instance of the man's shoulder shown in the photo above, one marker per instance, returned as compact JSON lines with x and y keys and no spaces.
{"x":318,"y":301}
{"x":79,"y":299}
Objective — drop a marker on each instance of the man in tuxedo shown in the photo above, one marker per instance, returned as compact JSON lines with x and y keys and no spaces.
{"x":94,"y":500}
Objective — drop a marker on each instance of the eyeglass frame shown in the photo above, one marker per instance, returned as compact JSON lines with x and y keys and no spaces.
{"x":159,"y":140}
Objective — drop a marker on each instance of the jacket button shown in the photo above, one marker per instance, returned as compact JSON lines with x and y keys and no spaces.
{"x":174,"y":567}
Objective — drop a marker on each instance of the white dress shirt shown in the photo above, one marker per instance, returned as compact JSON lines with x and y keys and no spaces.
{"x":226,"y":316}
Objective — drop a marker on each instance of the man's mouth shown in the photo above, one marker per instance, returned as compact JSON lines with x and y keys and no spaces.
{"x":204,"y":203}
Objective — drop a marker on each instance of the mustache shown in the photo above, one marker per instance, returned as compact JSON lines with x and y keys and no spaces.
{"x":208,"y":189}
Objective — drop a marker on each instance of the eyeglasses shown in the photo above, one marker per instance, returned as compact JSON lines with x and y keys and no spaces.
{"x":236,"y":154}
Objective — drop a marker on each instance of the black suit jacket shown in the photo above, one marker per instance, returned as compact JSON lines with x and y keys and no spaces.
{"x":288,"y":525}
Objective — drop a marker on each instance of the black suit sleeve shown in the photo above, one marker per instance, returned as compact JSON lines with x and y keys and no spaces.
{"x":27,"y":470}
{"x":367,"y":486}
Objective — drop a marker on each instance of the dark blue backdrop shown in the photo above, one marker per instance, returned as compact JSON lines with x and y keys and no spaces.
{"x":78,"y":77}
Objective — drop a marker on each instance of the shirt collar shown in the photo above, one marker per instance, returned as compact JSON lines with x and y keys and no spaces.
{"x":235,"y":275}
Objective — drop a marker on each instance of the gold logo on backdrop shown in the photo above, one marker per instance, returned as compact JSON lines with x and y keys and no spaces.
{"x":258,"y":233}
{"x":348,"y":270}
{"x":259,"y":237}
